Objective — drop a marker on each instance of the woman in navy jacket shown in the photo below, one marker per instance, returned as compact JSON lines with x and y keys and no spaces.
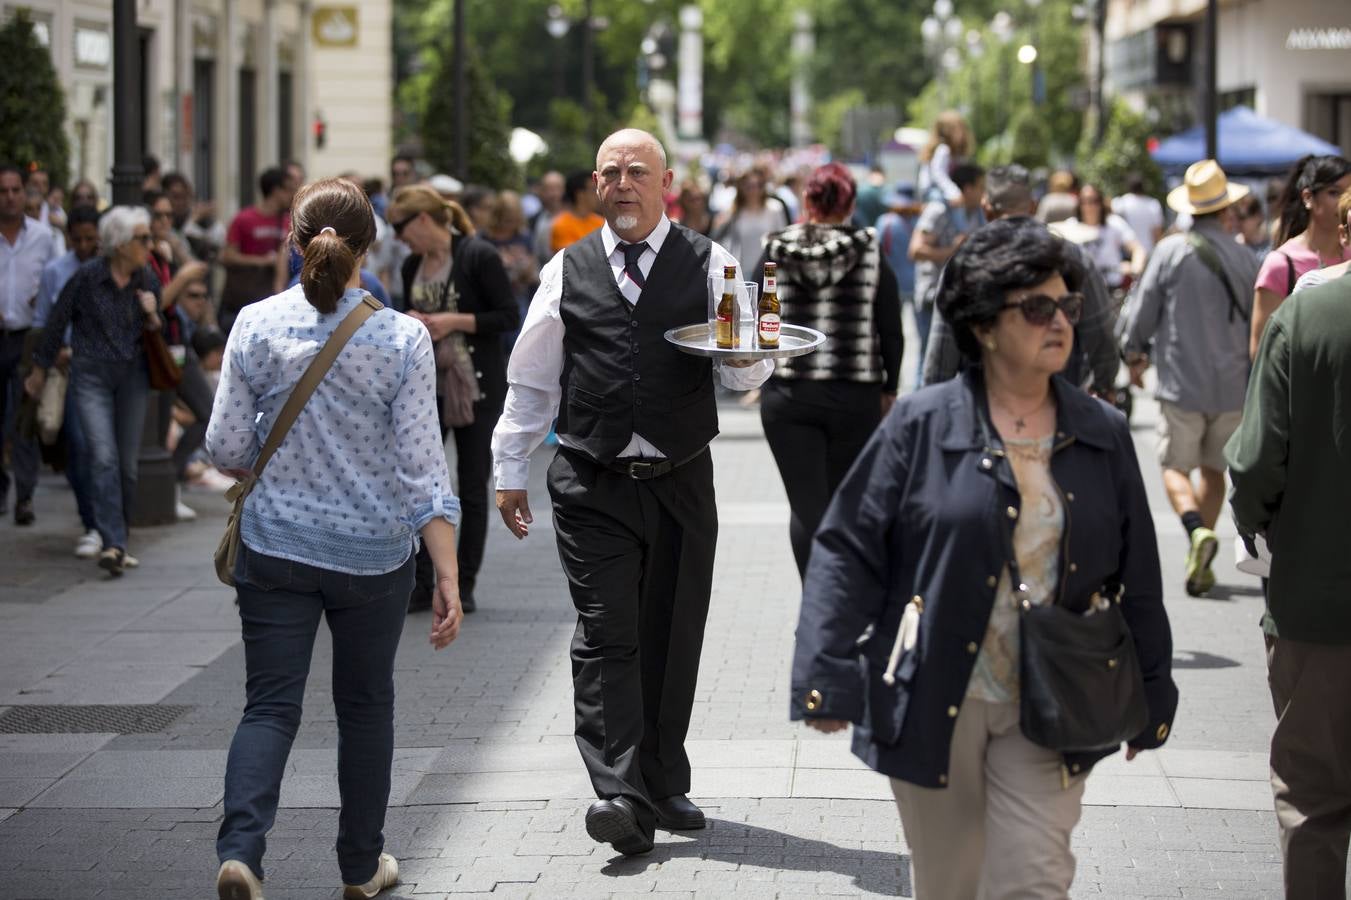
{"x":915,"y":536}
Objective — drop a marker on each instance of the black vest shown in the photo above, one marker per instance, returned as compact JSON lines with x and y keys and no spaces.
{"x":620,"y":376}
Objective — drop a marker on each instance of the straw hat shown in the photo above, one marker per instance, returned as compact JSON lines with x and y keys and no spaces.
{"x":1205,"y":189}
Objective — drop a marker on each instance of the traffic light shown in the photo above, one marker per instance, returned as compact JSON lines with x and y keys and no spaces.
{"x":320,"y":131}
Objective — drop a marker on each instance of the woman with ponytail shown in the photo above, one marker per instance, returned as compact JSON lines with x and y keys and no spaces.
{"x":456,"y":285}
{"x":329,"y":530}
{"x":1306,"y":234}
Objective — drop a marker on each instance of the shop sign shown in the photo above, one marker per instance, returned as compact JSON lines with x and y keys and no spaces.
{"x":1318,"y":39}
{"x":335,"y":26}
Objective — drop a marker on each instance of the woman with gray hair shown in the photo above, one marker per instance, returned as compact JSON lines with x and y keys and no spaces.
{"x":109,"y":303}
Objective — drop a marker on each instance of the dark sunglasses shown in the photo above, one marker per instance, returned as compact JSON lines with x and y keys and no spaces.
{"x":1039,"y":309}
{"x":400,"y":226}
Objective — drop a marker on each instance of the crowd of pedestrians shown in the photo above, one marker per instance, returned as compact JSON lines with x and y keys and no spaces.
{"x":503,"y":330}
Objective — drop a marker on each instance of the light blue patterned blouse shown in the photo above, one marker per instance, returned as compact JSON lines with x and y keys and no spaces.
{"x":363,"y":469}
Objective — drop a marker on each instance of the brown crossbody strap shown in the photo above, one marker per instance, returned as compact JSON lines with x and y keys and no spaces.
{"x":308,"y":382}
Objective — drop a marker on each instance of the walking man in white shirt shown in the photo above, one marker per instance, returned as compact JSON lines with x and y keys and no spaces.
{"x":632,"y":483}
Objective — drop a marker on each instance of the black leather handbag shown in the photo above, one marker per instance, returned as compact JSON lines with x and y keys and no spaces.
{"x":1080,"y":680}
{"x":1079,"y":677}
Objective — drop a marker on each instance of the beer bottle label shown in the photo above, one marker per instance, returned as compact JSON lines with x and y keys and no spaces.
{"x":771,"y":284}
{"x":769,"y":328}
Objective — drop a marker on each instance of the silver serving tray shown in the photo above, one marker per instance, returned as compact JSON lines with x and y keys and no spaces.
{"x":794,"y":340}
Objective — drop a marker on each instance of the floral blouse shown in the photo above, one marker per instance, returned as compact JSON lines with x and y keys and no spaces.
{"x":363,"y":468}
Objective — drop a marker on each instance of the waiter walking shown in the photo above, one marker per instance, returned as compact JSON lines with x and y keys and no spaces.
{"x":632,"y":483}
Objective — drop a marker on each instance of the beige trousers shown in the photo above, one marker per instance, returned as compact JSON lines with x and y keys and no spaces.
{"x":1311,"y":764}
{"x":1001,"y":828}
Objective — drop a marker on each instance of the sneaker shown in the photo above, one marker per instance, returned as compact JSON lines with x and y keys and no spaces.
{"x":213,"y":480}
{"x":113,"y":561}
{"x":183,"y":512}
{"x":236,"y":881}
{"x":386,"y":875}
{"x":89,"y":546}
{"x":129,"y":561}
{"x":1205,"y":545}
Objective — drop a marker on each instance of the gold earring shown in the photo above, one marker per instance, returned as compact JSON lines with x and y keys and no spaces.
{"x":990,"y":344}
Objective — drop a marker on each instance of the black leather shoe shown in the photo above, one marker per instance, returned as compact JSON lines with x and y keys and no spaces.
{"x":614,"y":822}
{"x":677,"y":813}
{"x":467,"y":603}
{"x":23,"y":513}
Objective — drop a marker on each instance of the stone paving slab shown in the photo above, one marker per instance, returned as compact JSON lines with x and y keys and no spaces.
{"x":486,"y":767}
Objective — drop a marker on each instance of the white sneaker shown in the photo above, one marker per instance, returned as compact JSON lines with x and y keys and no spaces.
{"x":129,"y":561}
{"x":213,"y":480}
{"x":183,"y":512}
{"x":90,"y":545}
{"x":236,"y":881}
{"x":386,"y":875}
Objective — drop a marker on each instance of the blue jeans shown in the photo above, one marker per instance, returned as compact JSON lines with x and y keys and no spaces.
{"x":111,"y":399}
{"x":924,"y":317}
{"x":78,"y":462}
{"x":280,"y":603}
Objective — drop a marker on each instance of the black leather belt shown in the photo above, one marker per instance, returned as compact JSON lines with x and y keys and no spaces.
{"x":6,"y":332}
{"x":645,"y":469}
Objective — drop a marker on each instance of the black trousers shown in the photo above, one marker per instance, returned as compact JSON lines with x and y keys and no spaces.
{"x":197,"y":394}
{"x":639,"y":560}
{"x":815,"y":429}
{"x":474,"y":467}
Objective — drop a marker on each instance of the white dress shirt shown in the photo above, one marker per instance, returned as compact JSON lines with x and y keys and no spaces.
{"x":21,"y":265}
{"x":533,"y":388}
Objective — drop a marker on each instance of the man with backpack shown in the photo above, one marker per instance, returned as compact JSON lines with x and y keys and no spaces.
{"x":1190,"y":319}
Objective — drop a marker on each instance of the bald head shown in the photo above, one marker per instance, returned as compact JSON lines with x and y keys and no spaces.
{"x":631,"y":182}
{"x":632,"y":139}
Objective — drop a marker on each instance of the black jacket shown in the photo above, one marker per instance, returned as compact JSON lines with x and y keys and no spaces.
{"x":918,"y":515}
{"x":484,"y":290}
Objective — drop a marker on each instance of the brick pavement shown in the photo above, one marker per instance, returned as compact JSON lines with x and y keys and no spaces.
{"x":488,"y":791}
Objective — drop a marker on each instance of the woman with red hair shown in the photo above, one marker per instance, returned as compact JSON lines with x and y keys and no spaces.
{"x":819,"y":410}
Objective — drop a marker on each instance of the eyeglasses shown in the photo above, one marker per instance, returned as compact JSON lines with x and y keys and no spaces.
{"x":1039,"y":309}
{"x":400,"y":226}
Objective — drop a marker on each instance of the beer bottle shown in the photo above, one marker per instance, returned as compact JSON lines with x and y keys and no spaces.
{"x":729,"y":317}
{"x":768,"y":314}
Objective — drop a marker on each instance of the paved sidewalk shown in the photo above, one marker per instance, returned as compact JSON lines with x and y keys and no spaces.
{"x":489,"y":792}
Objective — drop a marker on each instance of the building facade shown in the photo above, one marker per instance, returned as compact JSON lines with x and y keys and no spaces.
{"x":1290,"y":60}
{"x":229,"y":87}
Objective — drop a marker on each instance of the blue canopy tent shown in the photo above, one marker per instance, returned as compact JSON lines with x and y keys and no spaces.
{"x":1248,"y":145}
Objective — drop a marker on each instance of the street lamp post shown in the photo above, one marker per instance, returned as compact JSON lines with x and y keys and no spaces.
{"x":1001,"y":26}
{"x":941,"y":33}
{"x":154,"y":502}
{"x":461,"y":99}
{"x":558,"y":25}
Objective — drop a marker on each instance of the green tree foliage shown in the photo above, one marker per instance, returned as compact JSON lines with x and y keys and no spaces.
{"x":1123,"y":151}
{"x":995,"y":90}
{"x":32,"y":105}
{"x":489,"y":116}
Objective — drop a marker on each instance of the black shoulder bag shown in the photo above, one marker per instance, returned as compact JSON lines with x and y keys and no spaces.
{"x":1081,"y":689}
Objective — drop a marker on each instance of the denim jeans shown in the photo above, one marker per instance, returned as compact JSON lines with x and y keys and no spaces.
{"x":280,"y":603}
{"x":78,"y":462}
{"x":111,"y":398}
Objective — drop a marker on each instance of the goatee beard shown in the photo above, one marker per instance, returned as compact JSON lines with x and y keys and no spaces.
{"x":624,"y":223}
